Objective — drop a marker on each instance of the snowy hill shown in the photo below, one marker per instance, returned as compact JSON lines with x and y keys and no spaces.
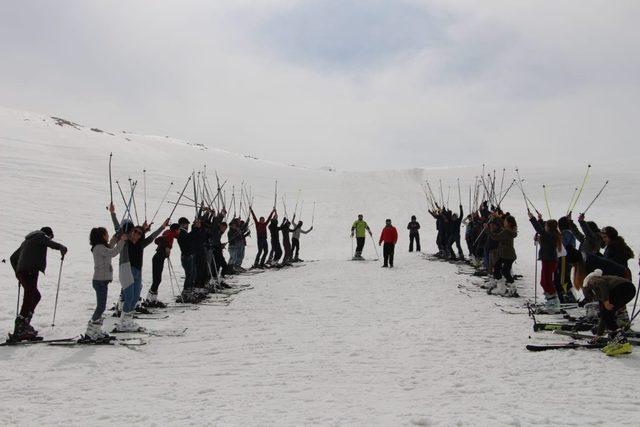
{"x":328,"y":343}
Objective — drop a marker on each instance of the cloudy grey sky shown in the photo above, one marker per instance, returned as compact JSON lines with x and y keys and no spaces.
{"x":350,"y":84}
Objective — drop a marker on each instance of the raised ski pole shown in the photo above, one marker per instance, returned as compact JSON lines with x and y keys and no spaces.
{"x":571,"y":200}
{"x":55,"y":307}
{"x":502,"y":182}
{"x":441,"y":194}
{"x":506,"y":192}
{"x":584,"y":181}
{"x":144,"y":184}
{"x":132,"y":185}
{"x":284,"y":204}
{"x":160,"y":205}
{"x":546,"y":199}
{"x":295,"y":208}
{"x":459,"y":196}
{"x":195,"y":193}
{"x":124,"y":200}
{"x":178,"y":201}
{"x":596,"y":198}
{"x":275,"y":196}
{"x":127,"y":211}
{"x":110,"y":179}
{"x":448,"y":195}
{"x":313,"y":213}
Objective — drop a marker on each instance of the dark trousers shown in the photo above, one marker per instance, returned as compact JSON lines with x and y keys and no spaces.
{"x":502,"y":268}
{"x":414,"y":237}
{"x":276,"y":250}
{"x":263,"y":251}
{"x":201,"y":269}
{"x":102,"y":288}
{"x":219,"y":263}
{"x":31,"y":297}
{"x":286,"y":243}
{"x":189,"y":267}
{"x":562,"y":281}
{"x":157,"y":265}
{"x":387,"y":252}
{"x":295,"y":247}
{"x":454,"y":238}
{"x":359,"y":245}
{"x":618,"y":297}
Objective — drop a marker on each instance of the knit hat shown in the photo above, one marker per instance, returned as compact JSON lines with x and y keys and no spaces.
{"x":48,"y":231}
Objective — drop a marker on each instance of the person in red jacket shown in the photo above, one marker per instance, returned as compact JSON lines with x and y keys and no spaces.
{"x":389,"y":237}
{"x":163,"y":250}
{"x":261,"y":234}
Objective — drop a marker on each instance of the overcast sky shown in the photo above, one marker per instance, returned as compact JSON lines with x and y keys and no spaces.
{"x":349,"y":84}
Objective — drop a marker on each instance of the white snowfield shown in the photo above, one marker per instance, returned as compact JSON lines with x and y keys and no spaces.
{"x":331,"y":342}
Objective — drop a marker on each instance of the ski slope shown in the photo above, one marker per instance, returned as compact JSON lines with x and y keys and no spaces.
{"x":332,"y":342}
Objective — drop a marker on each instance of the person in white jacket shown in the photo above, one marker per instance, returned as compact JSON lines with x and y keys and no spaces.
{"x":103,"y":250}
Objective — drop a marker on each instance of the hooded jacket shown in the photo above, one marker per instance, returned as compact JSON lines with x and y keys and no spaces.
{"x":505,"y":238}
{"x":32,"y":253}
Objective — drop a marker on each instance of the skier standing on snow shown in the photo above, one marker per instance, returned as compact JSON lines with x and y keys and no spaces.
{"x":165,"y":244}
{"x":276,"y":249}
{"x":612,"y":293}
{"x":295,"y":240}
{"x":103,"y":250}
{"x":389,"y":237}
{"x":505,"y":257}
{"x":187,"y":259}
{"x":360,"y":229}
{"x":261,"y":235}
{"x":130,"y":266}
{"x":454,"y":236}
{"x":286,"y":241}
{"x":550,"y":245}
{"x":414,"y":234}
{"x":27,"y":261}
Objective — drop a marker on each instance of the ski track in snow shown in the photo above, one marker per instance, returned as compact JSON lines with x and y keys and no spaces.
{"x":332,"y":342}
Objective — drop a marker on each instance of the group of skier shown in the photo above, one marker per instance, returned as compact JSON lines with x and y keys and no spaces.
{"x":597,"y":256}
{"x":201,"y":255}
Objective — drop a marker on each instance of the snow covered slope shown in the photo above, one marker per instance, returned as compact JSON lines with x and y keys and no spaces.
{"x":331,"y":342}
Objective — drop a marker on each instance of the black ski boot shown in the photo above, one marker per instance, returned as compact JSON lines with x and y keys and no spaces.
{"x":23,"y":331}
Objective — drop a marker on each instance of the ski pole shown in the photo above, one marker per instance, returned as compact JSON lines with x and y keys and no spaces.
{"x":178,"y":201}
{"x":596,"y":198}
{"x":161,"y":203}
{"x":374,"y":245}
{"x":55,"y":307}
{"x":275,"y":197}
{"x":535,"y":277}
{"x":635,"y":303}
{"x":135,"y":208}
{"x":172,"y":277}
{"x":459,"y":196}
{"x":313,"y":213}
{"x":575,"y":190}
{"x":18,"y":301}
{"x":441,"y":195}
{"x":546,"y":199}
{"x":144,"y":184}
{"x":110,"y":180}
{"x":584,"y":181}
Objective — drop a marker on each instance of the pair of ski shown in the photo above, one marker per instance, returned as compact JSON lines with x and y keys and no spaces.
{"x":594,"y":342}
{"x":78,"y":341}
{"x":153,"y":333}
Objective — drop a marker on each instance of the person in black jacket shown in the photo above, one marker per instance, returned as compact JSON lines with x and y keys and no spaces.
{"x":550,"y":241}
{"x":185,"y":242}
{"x":454,"y":236}
{"x":276,"y":249}
{"x":616,"y":249}
{"x":414,"y":233}
{"x":27,"y":261}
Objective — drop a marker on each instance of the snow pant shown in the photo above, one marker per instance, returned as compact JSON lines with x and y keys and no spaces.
{"x":102,"y":288}
{"x":286,"y":244}
{"x":240,"y":255}
{"x":201,"y":269}
{"x":31,"y":297}
{"x":295,"y":248}
{"x":502,"y":268}
{"x":131,"y":293}
{"x":189,"y":270}
{"x":276,"y":251}
{"x":619,"y":297}
{"x":546,"y":276}
{"x":440,"y":241}
{"x":562,"y":280}
{"x":220,"y":264}
{"x":454,"y":238}
{"x":359,"y":245}
{"x":263,"y":251}
{"x":157,"y":264}
{"x":387,"y":253}
{"x":233,"y":254}
{"x":414,"y":237}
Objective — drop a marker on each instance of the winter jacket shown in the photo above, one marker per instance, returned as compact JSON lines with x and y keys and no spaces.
{"x":413,"y":227}
{"x":360,"y":228}
{"x":132,"y":254}
{"x":31,"y":256}
{"x":261,"y":227}
{"x":618,"y":252}
{"x":600,"y":287}
{"x":274,"y":230}
{"x":505,"y":239}
{"x":548,"y":245}
{"x":608,"y":267}
{"x":592,"y":242}
{"x":102,"y":255}
{"x":284,"y":227}
{"x":185,"y":241}
{"x":568,"y":239}
{"x":297,"y":230}
{"x":165,"y":241}
{"x":389,"y":235}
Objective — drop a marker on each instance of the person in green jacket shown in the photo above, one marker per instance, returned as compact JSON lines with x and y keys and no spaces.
{"x":359,"y":229}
